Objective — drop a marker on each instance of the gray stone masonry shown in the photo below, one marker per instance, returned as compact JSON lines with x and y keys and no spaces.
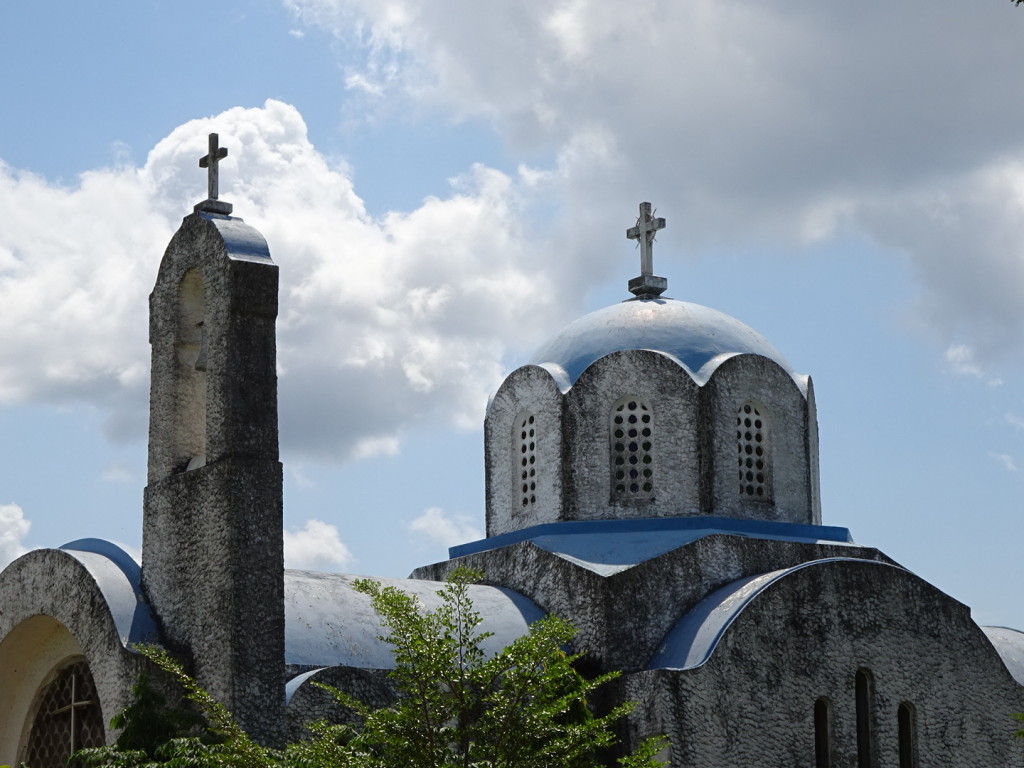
{"x":804,"y":639}
{"x":623,"y":617}
{"x":51,"y":609}
{"x":212,"y":536}
{"x":694,"y":443}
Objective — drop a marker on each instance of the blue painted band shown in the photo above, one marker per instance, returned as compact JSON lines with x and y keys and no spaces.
{"x":754,"y":528}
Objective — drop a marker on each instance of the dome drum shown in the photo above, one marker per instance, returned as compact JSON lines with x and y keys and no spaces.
{"x":762,"y":443}
{"x":652,"y":408}
{"x":523,"y":452}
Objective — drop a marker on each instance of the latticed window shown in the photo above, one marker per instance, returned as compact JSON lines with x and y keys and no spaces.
{"x":67,"y":718}
{"x":752,"y":444}
{"x":632,"y":429}
{"x":525,"y":438}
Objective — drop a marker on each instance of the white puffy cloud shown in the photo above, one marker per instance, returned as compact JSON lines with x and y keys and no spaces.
{"x":14,"y":528}
{"x":439,"y":527}
{"x":778,"y":123}
{"x":383,"y":323}
{"x":745,"y":123}
{"x":316,"y":547}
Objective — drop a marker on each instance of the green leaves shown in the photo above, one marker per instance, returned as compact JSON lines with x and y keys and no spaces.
{"x":525,"y":707}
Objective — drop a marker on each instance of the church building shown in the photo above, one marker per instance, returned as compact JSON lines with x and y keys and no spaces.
{"x":651,"y":477}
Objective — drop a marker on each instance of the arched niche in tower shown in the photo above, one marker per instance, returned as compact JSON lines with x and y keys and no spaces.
{"x":190,"y":347}
{"x":761,"y":424}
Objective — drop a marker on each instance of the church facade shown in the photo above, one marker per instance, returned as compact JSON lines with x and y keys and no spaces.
{"x":651,"y":476}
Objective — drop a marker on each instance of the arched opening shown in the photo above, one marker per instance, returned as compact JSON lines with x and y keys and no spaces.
{"x":865,"y":699}
{"x":823,"y":733}
{"x":524,"y":479}
{"x":906,"y":717}
{"x":190,"y":345}
{"x":31,"y":656}
{"x":66,"y":717}
{"x":631,"y":432}
{"x":754,"y":452}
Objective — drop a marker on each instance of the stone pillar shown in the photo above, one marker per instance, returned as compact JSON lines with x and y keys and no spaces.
{"x":212,"y":559}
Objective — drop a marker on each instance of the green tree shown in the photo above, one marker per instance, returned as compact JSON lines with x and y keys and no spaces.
{"x":148,"y":721}
{"x":525,"y":707}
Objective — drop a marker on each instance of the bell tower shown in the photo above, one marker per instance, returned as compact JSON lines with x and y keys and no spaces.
{"x":212,"y":559}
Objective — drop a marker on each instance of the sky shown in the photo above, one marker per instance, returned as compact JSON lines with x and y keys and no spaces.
{"x":446,"y":184}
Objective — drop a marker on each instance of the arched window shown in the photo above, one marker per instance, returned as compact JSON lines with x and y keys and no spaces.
{"x":524,"y":438}
{"x":632,"y":430}
{"x":823,"y":733}
{"x":67,"y":718}
{"x":864,"y":686}
{"x":754,"y":459}
{"x":906,"y":717}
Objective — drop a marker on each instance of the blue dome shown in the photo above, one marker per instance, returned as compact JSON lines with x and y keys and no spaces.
{"x":693,"y":334}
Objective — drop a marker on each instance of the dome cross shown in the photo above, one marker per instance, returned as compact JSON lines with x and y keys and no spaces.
{"x":647,"y":285}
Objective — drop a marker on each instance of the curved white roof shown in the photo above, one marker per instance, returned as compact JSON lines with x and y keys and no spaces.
{"x":1009,"y":644}
{"x":329,"y":623}
{"x":693,"y":334}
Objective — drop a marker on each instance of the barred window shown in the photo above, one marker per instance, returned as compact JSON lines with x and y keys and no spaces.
{"x":754,"y":461}
{"x":525,"y":439}
{"x":67,"y":718}
{"x":632,"y":431}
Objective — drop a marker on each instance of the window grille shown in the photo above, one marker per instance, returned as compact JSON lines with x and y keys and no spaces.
{"x":753,"y":453}
{"x":632,"y":432}
{"x":525,"y":438}
{"x":67,"y":718}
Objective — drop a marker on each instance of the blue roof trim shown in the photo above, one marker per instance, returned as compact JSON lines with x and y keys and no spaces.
{"x":119,"y":578}
{"x":693,"y":639}
{"x":242,"y":242}
{"x":131,"y":569}
{"x":700,"y":526}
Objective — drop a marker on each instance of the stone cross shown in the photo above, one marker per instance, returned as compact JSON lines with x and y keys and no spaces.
{"x":647,"y":285}
{"x":210,"y":162}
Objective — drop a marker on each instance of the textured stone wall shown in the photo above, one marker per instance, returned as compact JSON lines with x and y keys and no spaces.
{"x":806,"y":637}
{"x":672,"y":397}
{"x":309,"y":703}
{"x":213,"y":566}
{"x":787,"y":418}
{"x":51,"y":610}
{"x":622,"y":618}
{"x":694,"y":445}
{"x":528,"y":391}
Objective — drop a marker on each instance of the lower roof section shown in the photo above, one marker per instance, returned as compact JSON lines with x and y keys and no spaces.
{"x":1009,"y":644}
{"x":609,"y":546}
{"x":329,"y":623}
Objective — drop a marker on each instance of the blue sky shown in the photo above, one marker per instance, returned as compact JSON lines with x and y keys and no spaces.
{"x":446,"y":184}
